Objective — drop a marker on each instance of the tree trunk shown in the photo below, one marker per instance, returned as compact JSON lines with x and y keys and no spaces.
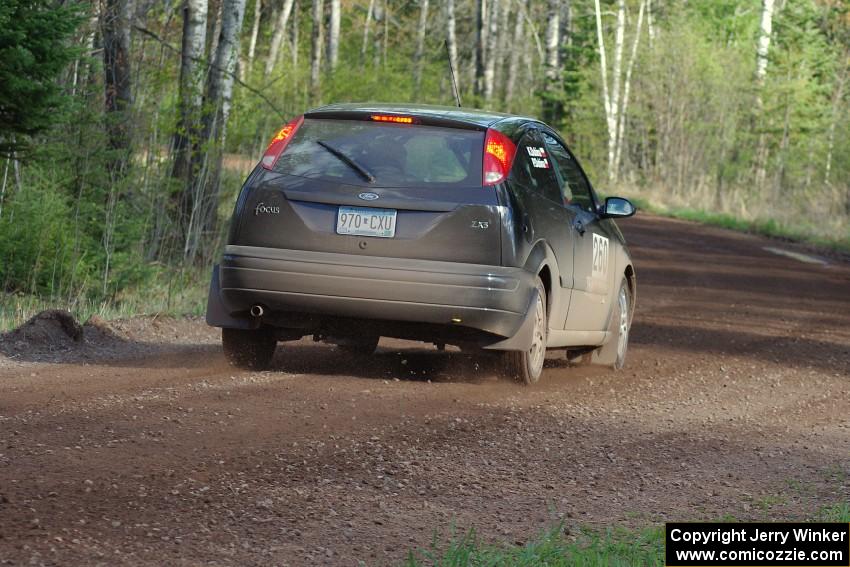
{"x":619,"y":42}
{"x":277,"y":36}
{"x":502,"y":46}
{"x":513,"y":61}
{"x":191,"y":95}
{"x":551,"y":73}
{"x":566,"y":32}
{"x":480,"y":44}
{"x":610,"y":117}
{"x":420,"y":47}
{"x":316,"y":51}
{"x":217,"y":100}
{"x":650,"y":27}
{"x":333,"y":35}
{"x":627,"y":87}
{"x":116,"y":16}
{"x":451,"y":39}
{"x":386,"y":36}
{"x":837,"y":97}
{"x":765,"y":29}
{"x":255,"y":31}
{"x":762,"y":52}
{"x":366,"y":25}
{"x":293,"y":35}
{"x":492,"y":51}
{"x":378,"y":14}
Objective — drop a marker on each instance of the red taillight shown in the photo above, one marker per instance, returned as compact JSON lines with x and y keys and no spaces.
{"x":279,"y":142}
{"x":392,"y":118}
{"x":499,"y":152}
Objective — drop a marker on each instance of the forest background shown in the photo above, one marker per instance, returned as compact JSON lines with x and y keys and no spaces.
{"x":127,"y":126}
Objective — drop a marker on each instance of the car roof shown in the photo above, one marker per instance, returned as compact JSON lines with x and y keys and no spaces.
{"x":472,"y":116}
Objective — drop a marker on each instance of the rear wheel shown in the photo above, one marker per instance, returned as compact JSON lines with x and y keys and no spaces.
{"x":358,"y":346}
{"x":527,"y":366}
{"x":248,"y":348}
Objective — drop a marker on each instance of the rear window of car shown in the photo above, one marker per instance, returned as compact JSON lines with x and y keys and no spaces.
{"x":396,"y":155}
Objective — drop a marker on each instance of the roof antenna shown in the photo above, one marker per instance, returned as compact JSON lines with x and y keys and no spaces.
{"x":452,"y":70}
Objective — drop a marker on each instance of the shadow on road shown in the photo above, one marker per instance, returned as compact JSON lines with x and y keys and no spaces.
{"x":793,"y":351}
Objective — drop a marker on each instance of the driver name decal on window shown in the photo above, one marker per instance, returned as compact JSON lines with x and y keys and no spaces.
{"x":600,"y":256}
{"x":538,"y":157}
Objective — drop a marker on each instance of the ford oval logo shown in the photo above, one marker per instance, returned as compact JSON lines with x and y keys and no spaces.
{"x":368,"y":196}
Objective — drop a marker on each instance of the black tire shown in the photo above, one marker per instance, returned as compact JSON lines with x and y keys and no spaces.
{"x":359,"y":346}
{"x":525,"y":367}
{"x":248,"y":348}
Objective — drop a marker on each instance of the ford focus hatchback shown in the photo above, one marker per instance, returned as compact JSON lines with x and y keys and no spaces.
{"x":438,"y":224}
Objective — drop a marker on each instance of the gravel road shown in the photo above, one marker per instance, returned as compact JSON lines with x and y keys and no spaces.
{"x":141,"y":446}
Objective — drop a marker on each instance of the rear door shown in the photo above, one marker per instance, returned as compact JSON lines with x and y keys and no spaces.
{"x":534,"y":181}
{"x":425,"y":199}
{"x":592,"y":267}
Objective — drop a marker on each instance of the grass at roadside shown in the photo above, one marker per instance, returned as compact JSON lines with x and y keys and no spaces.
{"x":552,"y":548}
{"x":835,"y":513}
{"x":170,"y":293}
{"x":839,"y":242}
{"x":555,"y":548}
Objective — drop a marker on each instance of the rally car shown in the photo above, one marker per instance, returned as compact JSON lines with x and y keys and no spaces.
{"x":439,"y":224}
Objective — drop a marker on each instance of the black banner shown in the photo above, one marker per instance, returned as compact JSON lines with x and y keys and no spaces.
{"x":690,"y":544}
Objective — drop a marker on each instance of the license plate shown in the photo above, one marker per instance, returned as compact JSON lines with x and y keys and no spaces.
{"x":361,"y":221}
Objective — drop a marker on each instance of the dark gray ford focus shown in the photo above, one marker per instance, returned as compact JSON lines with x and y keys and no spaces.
{"x":439,"y":224}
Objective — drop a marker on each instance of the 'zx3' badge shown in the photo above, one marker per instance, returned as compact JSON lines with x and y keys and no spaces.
{"x":480,"y":224}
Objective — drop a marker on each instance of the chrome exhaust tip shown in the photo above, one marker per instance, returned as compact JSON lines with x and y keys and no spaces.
{"x":257,"y":311}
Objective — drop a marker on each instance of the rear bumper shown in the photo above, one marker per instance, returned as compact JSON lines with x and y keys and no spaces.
{"x":493,"y":299}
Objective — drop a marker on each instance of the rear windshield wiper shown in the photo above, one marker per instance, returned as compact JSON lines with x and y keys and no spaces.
{"x":347,"y":160}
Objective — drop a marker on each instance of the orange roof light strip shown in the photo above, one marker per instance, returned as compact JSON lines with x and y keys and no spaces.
{"x":391,"y":118}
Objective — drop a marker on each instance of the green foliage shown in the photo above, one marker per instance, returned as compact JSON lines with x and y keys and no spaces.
{"x":37,"y":241}
{"x":34,"y":50}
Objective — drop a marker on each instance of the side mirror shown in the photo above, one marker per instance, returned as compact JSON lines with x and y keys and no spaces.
{"x":617,"y":207}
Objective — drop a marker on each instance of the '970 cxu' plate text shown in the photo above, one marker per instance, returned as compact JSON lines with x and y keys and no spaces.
{"x":362,"y":221}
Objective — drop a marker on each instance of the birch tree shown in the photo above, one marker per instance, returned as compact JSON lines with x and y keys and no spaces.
{"x":420,"y":47}
{"x":316,"y":51}
{"x":451,"y":39}
{"x":502,"y":46}
{"x":366,"y":28}
{"x":255,"y":31}
{"x":611,"y":96}
{"x":333,"y":35}
{"x":762,"y":52}
{"x":203,"y":202}
{"x":621,"y":121}
{"x":513,"y":61}
{"x":763,"y":49}
{"x":551,"y":73}
{"x":277,"y":36}
{"x":492,"y":51}
{"x":191,"y":90}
